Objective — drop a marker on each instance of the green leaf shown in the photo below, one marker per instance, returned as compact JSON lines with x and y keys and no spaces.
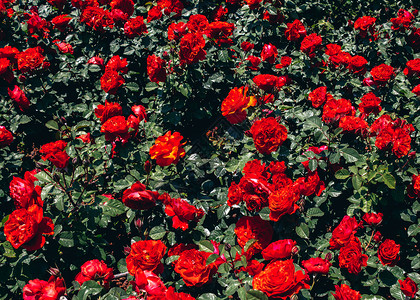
{"x":395,"y":291}
{"x":206,"y":246}
{"x":249,"y":243}
{"x":256,"y":295}
{"x":212,"y":258}
{"x":207,"y":296}
{"x":342,"y":174}
{"x":66,"y":239}
{"x":113,"y":207}
{"x":357,"y":182}
{"x":389,"y":180}
{"x":303,"y":231}
{"x":156,"y":233}
{"x":350,"y":155}
{"x":132,"y":86}
{"x":52,"y":125}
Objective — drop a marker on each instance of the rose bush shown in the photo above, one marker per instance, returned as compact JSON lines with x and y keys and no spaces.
{"x":186,"y":149}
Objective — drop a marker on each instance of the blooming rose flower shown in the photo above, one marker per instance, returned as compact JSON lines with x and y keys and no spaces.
{"x":403,"y":21}
{"x":24,"y":193}
{"x":267,"y":82}
{"x":95,"y":270}
{"x":30,"y":59}
{"x":135,"y":27}
{"x":52,"y":289}
{"x":146,"y":256}
{"x":413,"y":67}
{"x":413,"y":190}
{"x":191,"y":48}
{"x":97,"y":18}
{"x":149,"y":282}
{"x":310,"y":44}
{"x":107,"y":111}
{"x":55,"y":153}
{"x":354,"y":125}
{"x":351,"y":257}
{"x":168,"y":7}
{"x":396,"y":138}
{"x":96,"y":60}
{"x":137,"y":197}
{"x":6,"y":137}
{"x":357,"y":65}
{"x":140,"y":112}
{"x":167,"y":149}
{"x":332,"y":49}
{"x":416,"y":90}
{"x":235,"y":104}
{"x":253,"y":228}
{"x":182,"y":212}
{"x":389,"y":253}
{"x":197,"y":23}
{"x":363,"y":24}
{"x":25,"y":228}
{"x":193,"y":268}
{"x":156,"y":68}
{"x":269,"y":53}
{"x":373,"y":219}
{"x":316,"y":265}
{"x":311,"y":184}
{"x":377,"y":237}
{"x":285,"y":61}
{"x":318,"y":96}
{"x":344,"y":292}
{"x":370,"y":104}
{"x":408,"y":287}
{"x":126,"y":6}
{"x":247,"y":46}
{"x":343,"y":234}
{"x":255,"y":62}
{"x":253,"y":267}
{"x":19,"y":97}
{"x":154,"y":14}
{"x":117,"y":64}
{"x":382,"y":74}
{"x":283,"y":201}
{"x":61,"y":22}
{"x":279,"y":249}
{"x":116,"y":129}
{"x":268,"y":135}
{"x":172,"y":295}
{"x":177,"y":31}
{"x":295,"y":31}
{"x":111,"y":81}
{"x":279,"y":280}
{"x":220,"y":32}
{"x":335,"y":109}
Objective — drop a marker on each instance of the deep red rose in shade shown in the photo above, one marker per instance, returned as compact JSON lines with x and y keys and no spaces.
{"x":247,"y":46}
{"x":235,"y":194}
{"x":372,"y":219}
{"x":318,"y":96}
{"x":377,"y":237}
{"x":414,"y":38}
{"x":126,"y":6}
{"x":97,"y":18}
{"x":172,"y":295}
{"x":137,"y":197}
{"x":316,"y":265}
{"x":30,"y":59}
{"x":408,"y":287}
{"x":177,"y":31}
{"x":295,"y":31}
{"x":276,"y":18}
{"x":140,"y":112}
{"x":335,"y":109}
{"x":413,"y":67}
{"x":253,"y":4}
{"x":197,"y":23}
{"x":382,"y":74}
{"x":413,"y":189}
{"x":279,"y":280}
{"x":6,"y":137}
{"x":36,"y":24}
{"x":220,"y":32}
{"x":149,"y":283}
{"x":389,"y":253}
{"x":351,"y":257}
{"x":280,"y":249}
{"x":64,"y":47}
{"x":340,"y":59}
{"x":25,"y":228}
{"x":311,"y":184}
{"x":107,"y":111}
{"x":61,"y":22}
{"x":403,"y":20}
{"x":111,"y":81}
{"x":268,"y":135}
{"x":343,"y":234}
{"x":19,"y":97}
{"x":283,"y":201}
{"x":24,"y":193}
{"x":332,"y":49}
{"x":4,"y":66}
{"x":248,"y":228}
{"x":354,"y":125}
{"x":310,"y":44}
{"x":95,"y":270}
{"x":269,"y":53}
{"x":363,"y":24}
{"x":170,"y":6}
{"x":344,"y":292}
{"x":117,"y":64}
{"x":156,"y":68}
{"x":55,"y":153}
{"x":370,"y":104}
{"x":9,"y":52}
{"x":219,"y":13}
{"x":135,"y":27}
{"x":416,"y":90}
{"x":191,"y":48}
{"x":57,"y":3}
{"x":193,"y":268}
{"x":182,"y":212}
{"x":37,"y":289}
{"x":235,"y":104}
{"x":116,"y":129}
{"x":146,"y":256}
{"x":255,"y":62}
{"x":357,"y":65}
{"x":154,"y":14}
{"x":167,"y":149}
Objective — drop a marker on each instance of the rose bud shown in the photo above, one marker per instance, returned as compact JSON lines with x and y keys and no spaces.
{"x":377,"y":237}
{"x":328,"y":256}
{"x":126,"y":250}
{"x":373,"y":219}
{"x":147,"y":166}
{"x":138,"y":223}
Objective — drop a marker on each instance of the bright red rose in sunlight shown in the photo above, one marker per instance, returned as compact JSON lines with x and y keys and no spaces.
{"x":146,"y":256}
{"x":389,"y":253}
{"x":95,"y":270}
{"x":52,"y":289}
{"x":137,"y":197}
{"x":268,"y":135}
{"x":167,"y":149}
{"x":344,"y":292}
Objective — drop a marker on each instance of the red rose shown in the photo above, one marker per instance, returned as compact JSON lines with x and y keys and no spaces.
{"x":269,"y":53}
{"x":9,"y":52}
{"x":311,"y":184}
{"x":247,"y":46}
{"x":253,"y":267}
{"x":191,"y":48}
{"x":146,"y":256}
{"x":279,"y":249}
{"x":64,"y":47}
{"x":19,"y":97}
{"x":283,"y":201}
{"x":370,"y":104}
{"x":167,"y":149}
{"x":248,"y":228}
{"x":135,"y":27}
{"x":343,"y":234}
{"x":116,"y":129}
{"x":220,"y":32}
{"x":332,"y":49}
{"x":363,"y":24}
{"x":357,"y":65}
{"x":24,"y":193}
{"x":344,"y":292}
{"x":389,"y":253}
{"x":268,"y":135}
{"x":170,"y":6}
{"x":111,"y":81}
{"x":4,"y":65}
{"x":154,"y":14}
{"x":319,"y":96}
{"x":61,"y":22}
{"x":398,"y":139}
{"x":172,"y":295}
{"x":382,"y":74}
{"x":52,"y":289}
{"x":85,"y":138}
{"x":351,"y":257}
{"x":197,"y":23}
{"x":55,"y":153}
{"x":310,"y":44}
{"x":97,"y":18}
{"x":177,"y":31}
{"x":6,"y":137}
{"x":409,"y":287}
{"x":140,"y":112}
{"x":413,"y":67}
{"x":266,"y":82}
{"x":95,"y":270}
{"x":178,"y":248}
{"x":96,"y":60}
{"x":26,"y":227}
{"x":126,"y":6}
{"x":137,"y":197}
{"x":373,"y":219}
{"x":146,"y":281}
{"x":295,"y":31}
{"x":235,"y":104}
{"x":403,"y":20}
{"x":117,"y":64}
{"x":255,"y":62}
{"x":279,"y":280}
{"x":285,"y":61}
{"x":182,"y":212}
{"x":156,"y":69}
{"x":335,"y":109}
{"x":354,"y":125}
{"x":413,"y":190}
{"x":416,"y":90}
{"x":107,"y":111}
{"x":30,"y":59}
{"x":316,"y":265}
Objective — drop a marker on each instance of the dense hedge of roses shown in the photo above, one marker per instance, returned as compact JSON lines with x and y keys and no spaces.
{"x":186,"y":149}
